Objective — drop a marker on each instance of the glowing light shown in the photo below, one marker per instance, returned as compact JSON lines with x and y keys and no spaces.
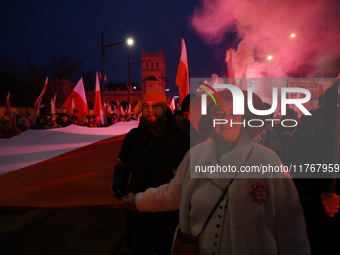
{"x":269,"y":57}
{"x":292,"y":35}
{"x":129,"y":41}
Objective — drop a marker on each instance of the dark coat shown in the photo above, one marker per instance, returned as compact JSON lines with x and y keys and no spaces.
{"x":150,"y":159}
{"x":195,"y":137}
{"x":313,"y":142}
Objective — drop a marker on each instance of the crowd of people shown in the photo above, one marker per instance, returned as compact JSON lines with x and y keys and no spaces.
{"x":12,"y":124}
{"x":293,"y":214}
{"x":234,"y":214}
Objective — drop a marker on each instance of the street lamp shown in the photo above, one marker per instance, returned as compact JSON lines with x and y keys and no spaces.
{"x":130,"y":66}
{"x":129,"y":42}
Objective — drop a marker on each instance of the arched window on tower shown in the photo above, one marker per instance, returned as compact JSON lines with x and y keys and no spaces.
{"x":151,"y":64}
{"x":157,"y":64}
{"x":147,"y":64}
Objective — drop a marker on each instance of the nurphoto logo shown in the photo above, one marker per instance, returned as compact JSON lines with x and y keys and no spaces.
{"x":238,"y":104}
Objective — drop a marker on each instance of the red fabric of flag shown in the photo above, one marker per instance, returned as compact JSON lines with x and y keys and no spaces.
{"x":172,"y":105}
{"x":57,"y":183}
{"x":182,"y":78}
{"x":98,"y":107}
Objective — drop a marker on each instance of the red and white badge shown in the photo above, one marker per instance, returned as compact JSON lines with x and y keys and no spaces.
{"x":260,"y":192}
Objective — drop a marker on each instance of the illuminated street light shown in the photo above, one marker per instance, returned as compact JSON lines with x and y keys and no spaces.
{"x":292,"y":35}
{"x":269,"y":57}
{"x":129,"y":42}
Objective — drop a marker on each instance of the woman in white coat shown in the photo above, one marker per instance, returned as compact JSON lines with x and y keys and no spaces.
{"x":261,"y":213}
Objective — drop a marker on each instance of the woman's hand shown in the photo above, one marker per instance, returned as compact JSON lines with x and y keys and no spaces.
{"x":129,"y":199}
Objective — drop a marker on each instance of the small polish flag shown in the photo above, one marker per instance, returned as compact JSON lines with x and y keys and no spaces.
{"x":8,"y":104}
{"x":78,"y":98}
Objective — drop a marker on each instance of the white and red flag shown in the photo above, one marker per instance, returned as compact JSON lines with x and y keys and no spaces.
{"x":53,"y":109}
{"x":55,"y":98}
{"x":172,"y":105}
{"x":78,"y":98}
{"x":8,"y":104}
{"x":98,"y":107}
{"x":37,"y":103}
{"x":182,"y":78}
{"x":42,"y":169}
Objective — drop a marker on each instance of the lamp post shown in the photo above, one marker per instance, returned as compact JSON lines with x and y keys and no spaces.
{"x":104,"y":51}
{"x":130,"y":66}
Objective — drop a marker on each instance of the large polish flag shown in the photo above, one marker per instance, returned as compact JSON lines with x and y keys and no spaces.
{"x":70,"y":167}
{"x":79,"y":98}
{"x":8,"y":103}
{"x":37,"y":103}
{"x":182,"y":78}
{"x":98,"y":107}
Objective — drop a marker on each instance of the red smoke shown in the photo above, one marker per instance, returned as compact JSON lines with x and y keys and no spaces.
{"x":265,"y":27}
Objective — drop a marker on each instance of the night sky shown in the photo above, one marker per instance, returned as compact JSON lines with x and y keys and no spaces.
{"x":254,"y":29}
{"x":43,"y":28}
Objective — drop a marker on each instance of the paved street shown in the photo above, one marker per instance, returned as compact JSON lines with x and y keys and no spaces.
{"x":67,"y":231}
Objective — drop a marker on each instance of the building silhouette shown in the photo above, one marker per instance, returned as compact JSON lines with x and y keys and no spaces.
{"x":153,"y":76}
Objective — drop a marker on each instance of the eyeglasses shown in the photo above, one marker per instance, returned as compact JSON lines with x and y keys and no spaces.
{"x":153,"y":106}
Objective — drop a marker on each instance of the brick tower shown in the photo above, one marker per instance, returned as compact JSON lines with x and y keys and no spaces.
{"x":153,"y":71}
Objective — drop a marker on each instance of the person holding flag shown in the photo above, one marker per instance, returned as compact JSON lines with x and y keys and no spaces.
{"x":151,"y":153}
